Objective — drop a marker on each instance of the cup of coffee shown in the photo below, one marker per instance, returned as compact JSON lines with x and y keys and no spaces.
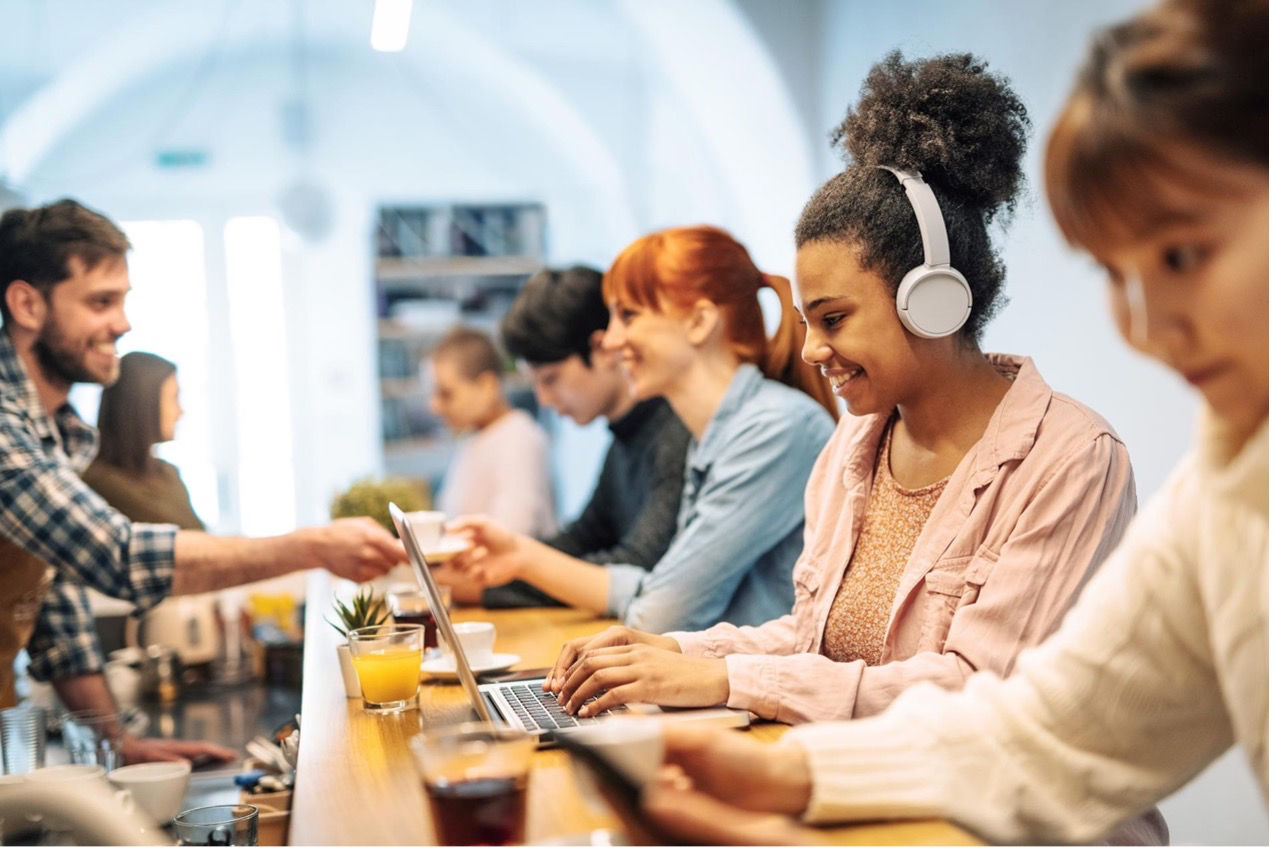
{"x":157,"y":788}
{"x":124,"y":682}
{"x":427,"y":525}
{"x":82,"y":778}
{"x":67,"y":772}
{"x":475,"y":776}
{"x":477,"y":639}
{"x":217,"y":825}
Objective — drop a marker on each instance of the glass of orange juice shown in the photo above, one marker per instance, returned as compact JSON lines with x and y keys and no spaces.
{"x":387,"y":660}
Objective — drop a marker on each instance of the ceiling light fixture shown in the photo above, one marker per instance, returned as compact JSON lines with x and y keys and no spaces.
{"x":390,"y":22}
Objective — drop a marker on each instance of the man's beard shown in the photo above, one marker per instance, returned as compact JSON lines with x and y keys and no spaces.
{"x":59,"y":362}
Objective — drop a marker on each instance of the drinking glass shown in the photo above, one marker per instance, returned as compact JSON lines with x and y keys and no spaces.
{"x":410,"y":606}
{"x":387,"y":659}
{"x":94,"y":737}
{"x":475,"y":775}
{"x":217,"y":825}
{"x":22,"y":730}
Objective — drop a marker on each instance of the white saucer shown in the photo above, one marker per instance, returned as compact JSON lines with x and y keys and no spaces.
{"x":445,"y":667}
{"x":447,"y":548}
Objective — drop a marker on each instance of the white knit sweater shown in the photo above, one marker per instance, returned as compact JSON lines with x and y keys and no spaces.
{"x":1162,"y":664}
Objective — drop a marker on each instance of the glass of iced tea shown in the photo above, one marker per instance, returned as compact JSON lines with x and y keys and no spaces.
{"x":387,"y":659}
{"x":410,"y":606}
{"x":475,"y":776}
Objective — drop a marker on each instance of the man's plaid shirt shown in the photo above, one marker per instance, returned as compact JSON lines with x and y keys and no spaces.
{"x":48,"y":511}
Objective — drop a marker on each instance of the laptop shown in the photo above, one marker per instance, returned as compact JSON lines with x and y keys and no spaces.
{"x":524,"y":703}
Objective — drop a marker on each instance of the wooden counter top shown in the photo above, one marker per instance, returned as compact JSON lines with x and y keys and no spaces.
{"x":356,"y":782}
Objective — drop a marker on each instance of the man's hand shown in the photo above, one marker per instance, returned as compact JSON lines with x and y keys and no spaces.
{"x":357,"y":549}
{"x":642,"y":673}
{"x":616,"y":635}
{"x":735,"y":769}
{"x":496,"y":556}
{"x":142,"y":749}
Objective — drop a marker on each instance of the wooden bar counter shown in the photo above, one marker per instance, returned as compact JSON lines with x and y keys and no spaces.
{"x":356,"y":783}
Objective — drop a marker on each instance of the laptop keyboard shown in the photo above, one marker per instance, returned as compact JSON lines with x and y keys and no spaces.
{"x":539,"y":709}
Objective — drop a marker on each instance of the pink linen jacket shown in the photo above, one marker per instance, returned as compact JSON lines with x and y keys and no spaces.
{"x":1027,"y":516}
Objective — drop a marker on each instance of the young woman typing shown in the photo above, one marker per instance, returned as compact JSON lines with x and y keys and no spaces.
{"x":955,"y":514}
{"x":1158,"y":167}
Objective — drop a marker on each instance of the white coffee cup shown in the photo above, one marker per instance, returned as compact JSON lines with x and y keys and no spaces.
{"x":124,"y":682}
{"x":427,"y":525}
{"x":633,"y":745}
{"x":477,"y":639}
{"x":158,"y":788}
{"x":84,"y":778}
{"x":66,"y":772}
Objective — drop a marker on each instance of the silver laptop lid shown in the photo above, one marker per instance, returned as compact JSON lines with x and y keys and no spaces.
{"x":426,"y":580}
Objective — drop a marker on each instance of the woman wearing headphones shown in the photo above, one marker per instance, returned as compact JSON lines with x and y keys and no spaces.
{"x":1159,"y":168}
{"x":954,"y":516}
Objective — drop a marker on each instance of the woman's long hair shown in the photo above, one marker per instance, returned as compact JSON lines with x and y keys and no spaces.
{"x":678,"y":266}
{"x":128,"y":418}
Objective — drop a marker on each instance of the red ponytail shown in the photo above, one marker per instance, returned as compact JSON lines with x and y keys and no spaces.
{"x":679,"y":266}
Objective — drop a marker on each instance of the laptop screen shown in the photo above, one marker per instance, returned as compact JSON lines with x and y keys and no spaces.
{"x":426,"y":580}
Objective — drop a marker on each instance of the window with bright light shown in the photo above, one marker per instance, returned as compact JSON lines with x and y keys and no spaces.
{"x":254,"y":287}
{"x":168,"y":310}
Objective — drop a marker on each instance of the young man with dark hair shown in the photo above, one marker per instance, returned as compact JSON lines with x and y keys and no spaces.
{"x":555,"y":325}
{"x":63,"y":280}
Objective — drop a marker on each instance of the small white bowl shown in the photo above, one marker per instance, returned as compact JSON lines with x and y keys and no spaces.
{"x":157,"y":788}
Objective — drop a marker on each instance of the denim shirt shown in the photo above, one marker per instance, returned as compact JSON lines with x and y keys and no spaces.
{"x":742,"y":513}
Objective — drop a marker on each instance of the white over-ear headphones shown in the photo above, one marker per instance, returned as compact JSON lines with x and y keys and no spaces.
{"x":934,"y":299}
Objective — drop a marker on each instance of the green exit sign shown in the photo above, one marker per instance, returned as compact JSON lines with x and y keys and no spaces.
{"x":181,"y":158}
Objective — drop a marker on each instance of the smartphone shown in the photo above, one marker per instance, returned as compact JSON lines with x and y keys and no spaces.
{"x":620,"y":792}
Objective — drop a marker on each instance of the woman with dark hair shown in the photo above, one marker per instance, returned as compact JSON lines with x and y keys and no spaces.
{"x":1157,"y":167}
{"x":956,"y":512}
{"x":137,"y":412}
{"x":687,"y":324}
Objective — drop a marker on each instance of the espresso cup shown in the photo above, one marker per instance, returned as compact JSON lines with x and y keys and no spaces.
{"x":82,"y":777}
{"x":427,"y":525}
{"x":124,"y":682}
{"x":477,"y":640}
{"x":67,"y":772}
{"x":157,"y":788}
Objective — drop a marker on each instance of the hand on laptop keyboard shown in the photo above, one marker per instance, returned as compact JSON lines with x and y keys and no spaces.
{"x":539,"y":709}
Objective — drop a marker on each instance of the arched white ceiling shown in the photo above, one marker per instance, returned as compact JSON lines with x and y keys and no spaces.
{"x":705,"y":51}
{"x":170,"y":34}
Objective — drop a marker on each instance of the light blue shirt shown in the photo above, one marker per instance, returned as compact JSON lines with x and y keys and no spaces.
{"x":742,"y":513}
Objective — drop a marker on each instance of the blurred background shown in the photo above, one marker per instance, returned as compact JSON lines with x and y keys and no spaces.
{"x":313,"y":199}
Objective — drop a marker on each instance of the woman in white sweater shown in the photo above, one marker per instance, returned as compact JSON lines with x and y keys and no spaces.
{"x":1158,"y":167}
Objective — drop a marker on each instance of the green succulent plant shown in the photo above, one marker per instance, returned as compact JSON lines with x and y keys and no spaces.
{"x":366,"y":608}
{"x":370,"y":497}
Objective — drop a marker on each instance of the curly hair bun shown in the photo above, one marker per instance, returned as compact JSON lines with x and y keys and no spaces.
{"x":949,"y":118}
